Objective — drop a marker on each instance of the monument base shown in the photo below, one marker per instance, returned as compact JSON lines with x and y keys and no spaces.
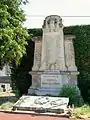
{"x":49,"y":82}
{"x":44,"y":91}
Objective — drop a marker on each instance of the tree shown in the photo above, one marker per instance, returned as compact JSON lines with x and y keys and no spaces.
{"x":13,"y":36}
{"x":21,"y":79}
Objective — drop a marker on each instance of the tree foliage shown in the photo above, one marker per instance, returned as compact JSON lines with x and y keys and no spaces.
{"x":20,"y":77}
{"x":12,"y":34}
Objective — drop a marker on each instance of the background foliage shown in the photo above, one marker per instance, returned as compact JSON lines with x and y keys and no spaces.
{"x":82,"y":57}
{"x":12,"y":34}
{"x":20,"y":77}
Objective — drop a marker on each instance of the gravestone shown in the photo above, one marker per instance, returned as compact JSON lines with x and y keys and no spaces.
{"x":54,"y":59}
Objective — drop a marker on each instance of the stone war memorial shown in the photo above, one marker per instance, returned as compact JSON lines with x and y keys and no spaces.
{"x":54,"y":59}
{"x":53,"y":67}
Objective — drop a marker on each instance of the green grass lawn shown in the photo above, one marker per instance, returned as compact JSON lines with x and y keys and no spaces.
{"x":7,"y":100}
{"x":83,"y":110}
{"x":80,"y":112}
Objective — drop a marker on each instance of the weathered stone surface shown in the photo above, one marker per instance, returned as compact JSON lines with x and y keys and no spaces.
{"x":52,"y":44}
{"x":54,"y":59}
{"x":69,"y":53}
{"x":42,"y":103}
{"x":37,"y":54}
{"x":50,"y":81}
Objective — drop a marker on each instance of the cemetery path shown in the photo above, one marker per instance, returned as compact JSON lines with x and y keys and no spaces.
{"x":12,"y":116}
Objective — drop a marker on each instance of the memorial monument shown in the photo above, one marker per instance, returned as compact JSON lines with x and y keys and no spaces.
{"x":54,"y":66}
{"x":54,"y":59}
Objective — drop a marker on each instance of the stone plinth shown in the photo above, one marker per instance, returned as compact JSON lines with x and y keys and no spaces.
{"x":49,"y":82}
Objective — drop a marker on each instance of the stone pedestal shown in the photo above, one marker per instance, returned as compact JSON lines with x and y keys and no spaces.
{"x":49,"y":82}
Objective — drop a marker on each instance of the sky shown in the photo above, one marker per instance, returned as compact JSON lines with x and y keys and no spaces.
{"x":73,"y":12}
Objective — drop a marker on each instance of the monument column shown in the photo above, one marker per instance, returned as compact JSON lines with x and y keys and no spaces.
{"x":52,"y":55}
{"x":69,"y":53}
{"x":37,"y":54}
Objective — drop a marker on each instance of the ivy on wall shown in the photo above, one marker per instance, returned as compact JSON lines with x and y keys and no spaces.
{"x":82,"y":57}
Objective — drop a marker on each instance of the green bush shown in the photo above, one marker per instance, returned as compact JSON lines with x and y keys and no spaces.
{"x":73,"y":93}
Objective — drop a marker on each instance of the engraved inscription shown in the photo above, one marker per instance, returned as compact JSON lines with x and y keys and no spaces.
{"x":50,"y":81}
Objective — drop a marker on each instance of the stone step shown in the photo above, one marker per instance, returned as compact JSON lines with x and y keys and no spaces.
{"x":48,"y":91}
{"x":44,"y":91}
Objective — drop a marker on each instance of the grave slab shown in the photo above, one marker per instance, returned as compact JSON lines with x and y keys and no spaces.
{"x":42,"y":104}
